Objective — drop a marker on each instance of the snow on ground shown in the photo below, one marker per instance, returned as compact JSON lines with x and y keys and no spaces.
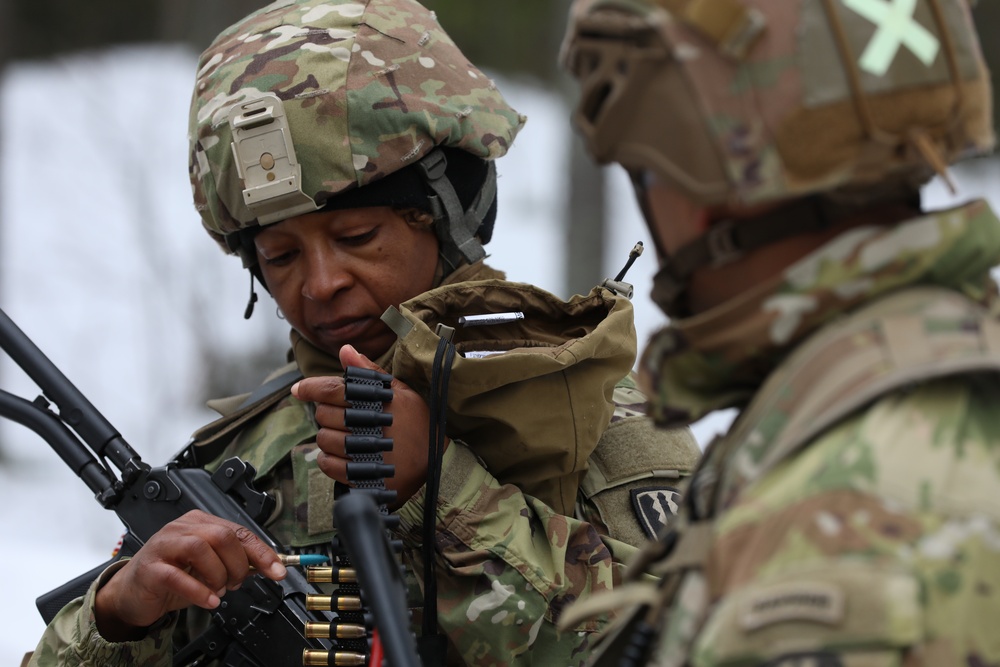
{"x":104,"y":264}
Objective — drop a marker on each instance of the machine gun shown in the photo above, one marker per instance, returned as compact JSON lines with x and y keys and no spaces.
{"x":263,"y":623}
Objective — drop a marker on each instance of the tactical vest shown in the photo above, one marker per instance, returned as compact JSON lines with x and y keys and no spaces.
{"x":904,"y":339}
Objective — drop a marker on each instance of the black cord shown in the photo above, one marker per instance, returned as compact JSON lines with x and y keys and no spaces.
{"x":438,"y":407}
{"x":253,"y":299}
{"x":632,"y":256}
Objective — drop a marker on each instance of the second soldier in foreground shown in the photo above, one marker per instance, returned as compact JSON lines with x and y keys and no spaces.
{"x":344,"y":151}
{"x":849,"y":517}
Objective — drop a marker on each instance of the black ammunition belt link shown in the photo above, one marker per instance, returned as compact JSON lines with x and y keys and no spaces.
{"x":367,"y":392}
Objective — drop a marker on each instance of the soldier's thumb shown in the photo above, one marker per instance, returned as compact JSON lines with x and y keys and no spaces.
{"x":351,"y":357}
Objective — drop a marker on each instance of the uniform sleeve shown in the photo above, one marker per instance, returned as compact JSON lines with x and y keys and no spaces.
{"x":633,"y":483}
{"x":507,"y":566}
{"x":72,"y":639}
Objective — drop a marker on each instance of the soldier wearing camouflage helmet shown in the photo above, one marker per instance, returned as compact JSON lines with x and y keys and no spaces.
{"x":344,"y":151}
{"x":777,"y":150}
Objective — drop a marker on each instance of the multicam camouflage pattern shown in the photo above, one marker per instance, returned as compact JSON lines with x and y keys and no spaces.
{"x":72,"y":638}
{"x":508,"y":564}
{"x":368,"y":88}
{"x":888,"y":519}
{"x":793,"y":98}
{"x":849,"y":517}
{"x":719,"y":358}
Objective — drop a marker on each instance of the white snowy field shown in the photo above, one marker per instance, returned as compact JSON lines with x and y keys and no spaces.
{"x":104,"y":264}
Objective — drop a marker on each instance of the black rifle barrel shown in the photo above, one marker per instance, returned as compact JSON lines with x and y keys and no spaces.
{"x":74,"y":408}
{"x":70,"y":450}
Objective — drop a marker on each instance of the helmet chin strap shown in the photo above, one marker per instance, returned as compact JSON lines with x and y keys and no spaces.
{"x":456,"y":228}
{"x":728,"y":240}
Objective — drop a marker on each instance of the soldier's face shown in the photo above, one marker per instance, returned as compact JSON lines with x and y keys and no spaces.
{"x":674,"y":220}
{"x":333,"y":273}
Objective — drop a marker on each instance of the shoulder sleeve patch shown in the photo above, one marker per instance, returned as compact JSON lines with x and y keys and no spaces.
{"x":654,"y":506}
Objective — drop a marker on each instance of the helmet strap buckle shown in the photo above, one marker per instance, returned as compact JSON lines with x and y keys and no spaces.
{"x":722,"y":246}
{"x":434,"y":165}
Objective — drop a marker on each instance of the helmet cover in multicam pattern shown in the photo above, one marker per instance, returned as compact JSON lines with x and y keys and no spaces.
{"x":747,"y":101}
{"x":367,"y":86}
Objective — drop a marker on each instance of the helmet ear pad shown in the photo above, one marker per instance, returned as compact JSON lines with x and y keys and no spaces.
{"x":408,"y":188}
{"x":449,"y":184}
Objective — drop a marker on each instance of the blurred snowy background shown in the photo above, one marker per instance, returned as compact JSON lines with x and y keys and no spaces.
{"x":103,"y":262}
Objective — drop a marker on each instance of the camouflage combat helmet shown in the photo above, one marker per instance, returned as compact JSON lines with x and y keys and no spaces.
{"x":305,"y":103}
{"x":746,"y":101}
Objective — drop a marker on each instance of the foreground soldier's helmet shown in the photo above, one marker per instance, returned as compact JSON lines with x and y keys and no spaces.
{"x":312,"y":103}
{"x":748,"y":101}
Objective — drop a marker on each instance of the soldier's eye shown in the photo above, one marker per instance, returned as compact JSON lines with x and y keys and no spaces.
{"x":359,"y":239}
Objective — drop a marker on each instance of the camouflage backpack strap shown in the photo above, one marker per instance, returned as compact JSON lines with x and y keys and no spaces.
{"x":209,"y":441}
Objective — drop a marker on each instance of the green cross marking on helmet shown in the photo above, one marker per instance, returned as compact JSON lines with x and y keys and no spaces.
{"x":896,"y":28}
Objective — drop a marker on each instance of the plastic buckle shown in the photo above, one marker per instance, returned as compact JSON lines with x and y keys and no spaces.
{"x":722,"y":246}
{"x":434,"y":164}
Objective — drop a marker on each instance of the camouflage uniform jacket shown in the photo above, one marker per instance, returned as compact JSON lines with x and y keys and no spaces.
{"x":507,"y":563}
{"x":849,"y":516}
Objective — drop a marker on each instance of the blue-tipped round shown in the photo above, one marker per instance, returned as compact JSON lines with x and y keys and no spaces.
{"x":304,"y":560}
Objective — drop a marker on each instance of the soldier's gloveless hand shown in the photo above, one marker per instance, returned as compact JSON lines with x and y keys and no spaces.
{"x":192,"y":560}
{"x":409,"y":430}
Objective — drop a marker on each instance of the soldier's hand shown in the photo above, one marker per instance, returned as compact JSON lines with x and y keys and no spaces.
{"x":192,"y":560}
{"x":409,"y":430}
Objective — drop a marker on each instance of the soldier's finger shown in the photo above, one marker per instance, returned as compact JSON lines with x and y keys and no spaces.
{"x":331,"y":441}
{"x":185,"y":586}
{"x":231,"y":550}
{"x":324,"y":389}
{"x":330,"y":416}
{"x":208,"y":558}
{"x":333,"y":467}
{"x":261,"y":556}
